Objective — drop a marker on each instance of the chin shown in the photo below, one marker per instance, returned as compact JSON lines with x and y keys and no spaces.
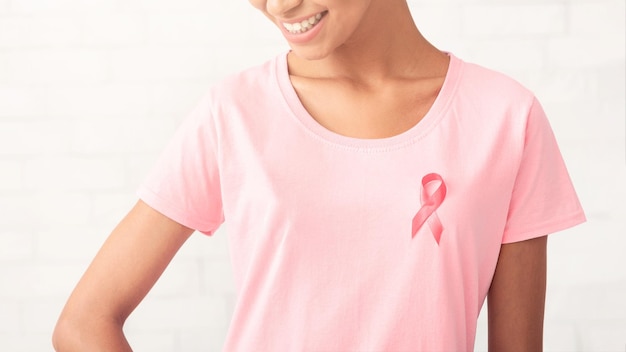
{"x":310,"y":54}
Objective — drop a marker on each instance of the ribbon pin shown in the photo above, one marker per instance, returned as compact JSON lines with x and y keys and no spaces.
{"x":430,"y":202}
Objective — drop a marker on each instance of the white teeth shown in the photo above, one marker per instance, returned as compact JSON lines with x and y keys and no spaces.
{"x":304,"y":26}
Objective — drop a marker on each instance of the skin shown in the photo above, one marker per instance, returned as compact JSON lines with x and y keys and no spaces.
{"x":369,"y":59}
{"x":371,"y":54}
{"x":516,"y":297}
{"x":117,"y":280}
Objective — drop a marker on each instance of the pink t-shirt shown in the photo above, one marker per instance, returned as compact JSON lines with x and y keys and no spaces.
{"x":343,"y":244}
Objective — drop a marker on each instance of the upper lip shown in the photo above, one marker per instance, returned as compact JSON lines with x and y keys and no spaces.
{"x":298,"y":20}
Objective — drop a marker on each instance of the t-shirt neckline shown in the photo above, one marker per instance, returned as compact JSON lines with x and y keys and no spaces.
{"x":410,"y":136}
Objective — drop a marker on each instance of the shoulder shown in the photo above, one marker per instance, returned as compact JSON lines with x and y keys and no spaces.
{"x":246,"y":85}
{"x":240,"y":102}
{"x":241,"y":91}
{"x":491,"y":88}
{"x":494,"y":107}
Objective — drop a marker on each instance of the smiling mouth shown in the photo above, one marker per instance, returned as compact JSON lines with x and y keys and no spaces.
{"x":305,"y":25}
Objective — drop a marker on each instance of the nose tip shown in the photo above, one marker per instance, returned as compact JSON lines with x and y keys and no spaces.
{"x":282,"y":7}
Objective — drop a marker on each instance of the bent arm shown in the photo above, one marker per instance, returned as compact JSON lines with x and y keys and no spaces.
{"x":129,"y":263}
{"x":516,"y":298}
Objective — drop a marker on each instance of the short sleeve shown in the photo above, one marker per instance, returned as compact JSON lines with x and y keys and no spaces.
{"x":184,"y":184}
{"x":543,"y":198}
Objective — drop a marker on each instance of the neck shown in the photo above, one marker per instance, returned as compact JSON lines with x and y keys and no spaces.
{"x":387,"y":46}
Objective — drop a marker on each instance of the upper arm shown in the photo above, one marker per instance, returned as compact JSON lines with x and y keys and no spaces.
{"x":516,"y":297}
{"x":125,"y":268}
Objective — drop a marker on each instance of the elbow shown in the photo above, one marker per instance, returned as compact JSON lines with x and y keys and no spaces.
{"x":64,"y":335}
{"x":71,"y":333}
{"x":77,"y":333}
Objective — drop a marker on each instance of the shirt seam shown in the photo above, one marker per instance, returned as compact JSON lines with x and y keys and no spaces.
{"x":186,"y":220}
{"x":546,"y":228}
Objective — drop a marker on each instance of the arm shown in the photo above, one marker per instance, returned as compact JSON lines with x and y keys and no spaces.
{"x":516,"y":297}
{"x":124,"y":270}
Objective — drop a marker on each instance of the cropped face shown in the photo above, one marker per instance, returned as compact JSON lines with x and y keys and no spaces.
{"x":316,"y":28}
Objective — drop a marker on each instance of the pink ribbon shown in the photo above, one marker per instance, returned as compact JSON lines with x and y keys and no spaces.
{"x":430,"y":203}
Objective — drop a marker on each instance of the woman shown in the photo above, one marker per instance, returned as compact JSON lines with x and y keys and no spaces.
{"x":377,"y":189}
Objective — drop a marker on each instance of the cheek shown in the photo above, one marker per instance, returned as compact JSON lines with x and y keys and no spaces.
{"x":258,"y":4}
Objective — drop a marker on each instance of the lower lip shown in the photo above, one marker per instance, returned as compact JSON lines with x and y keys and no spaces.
{"x":302,"y":38}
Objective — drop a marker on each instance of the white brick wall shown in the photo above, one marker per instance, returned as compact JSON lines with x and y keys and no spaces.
{"x":90,"y":91}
